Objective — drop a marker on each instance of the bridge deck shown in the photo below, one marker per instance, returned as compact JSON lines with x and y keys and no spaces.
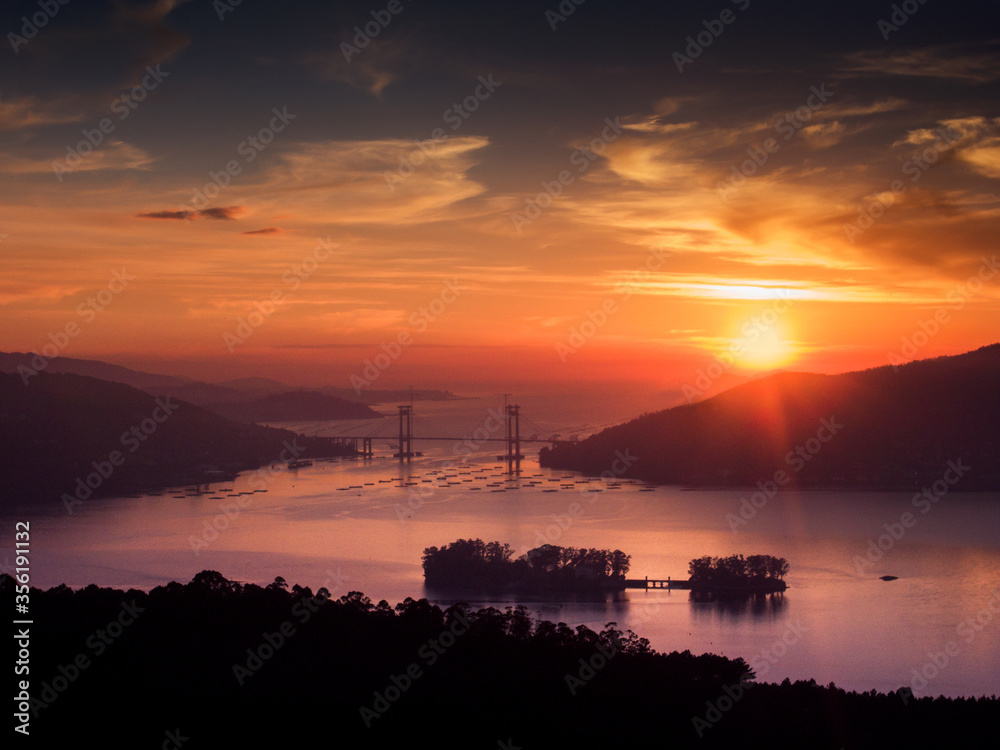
{"x":390,"y":436}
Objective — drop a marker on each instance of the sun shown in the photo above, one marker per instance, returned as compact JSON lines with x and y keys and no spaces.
{"x":767,"y":349}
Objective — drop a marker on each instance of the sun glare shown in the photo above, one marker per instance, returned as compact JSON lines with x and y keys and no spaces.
{"x":767,"y":349}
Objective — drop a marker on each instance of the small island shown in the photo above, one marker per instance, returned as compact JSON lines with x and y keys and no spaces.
{"x":756,"y":574}
{"x":490,"y":566}
{"x":475,"y":564}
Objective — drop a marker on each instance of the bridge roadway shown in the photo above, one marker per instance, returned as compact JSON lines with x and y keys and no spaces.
{"x":414,"y":438}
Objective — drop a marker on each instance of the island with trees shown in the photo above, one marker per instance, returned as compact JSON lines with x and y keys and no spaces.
{"x":755,"y":574}
{"x":475,"y":564}
{"x":472,"y":564}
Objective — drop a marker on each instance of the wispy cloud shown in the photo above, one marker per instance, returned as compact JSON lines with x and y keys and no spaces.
{"x":370,"y":69}
{"x":975,"y":140}
{"x":220,"y":213}
{"x":28,"y":112}
{"x":113,"y":156}
{"x":945,"y":61}
{"x":363,"y":182}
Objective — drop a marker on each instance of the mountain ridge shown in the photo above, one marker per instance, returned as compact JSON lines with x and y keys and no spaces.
{"x":340,"y":403}
{"x":900,"y":427}
{"x":72,"y":436}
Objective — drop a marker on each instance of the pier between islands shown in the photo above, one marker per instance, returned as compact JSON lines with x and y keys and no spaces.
{"x":686,"y":584}
{"x":655,"y":583}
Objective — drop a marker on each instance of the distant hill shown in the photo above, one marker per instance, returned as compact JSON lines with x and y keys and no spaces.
{"x":11,"y":361}
{"x":256,"y":387}
{"x":203,"y":394}
{"x":221,"y":397}
{"x":266,"y":386}
{"x":885,"y":427}
{"x":62,"y":429}
{"x":294,"y":406}
{"x":388,"y":397}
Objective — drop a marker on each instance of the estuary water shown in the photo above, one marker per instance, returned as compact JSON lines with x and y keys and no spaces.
{"x":362,"y":525}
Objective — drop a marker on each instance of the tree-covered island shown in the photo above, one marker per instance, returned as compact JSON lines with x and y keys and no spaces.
{"x":473,"y":563}
{"x":491,"y":566}
{"x":758,"y":574}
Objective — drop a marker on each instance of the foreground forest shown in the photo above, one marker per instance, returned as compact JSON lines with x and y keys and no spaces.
{"x":223,"y":664}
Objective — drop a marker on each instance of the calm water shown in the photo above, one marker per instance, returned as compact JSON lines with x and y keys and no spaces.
{"x":353,"y":525}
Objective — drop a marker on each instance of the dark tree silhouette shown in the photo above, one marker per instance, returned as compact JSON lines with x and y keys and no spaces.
{"x":757,"y":572}
{"x":476,"y":564}
{"x":497,"y":674}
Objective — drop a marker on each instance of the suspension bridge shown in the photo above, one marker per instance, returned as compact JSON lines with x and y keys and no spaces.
{"x":512,"y":439}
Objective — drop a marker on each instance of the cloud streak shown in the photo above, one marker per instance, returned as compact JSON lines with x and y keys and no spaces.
{"x":221,"y":213}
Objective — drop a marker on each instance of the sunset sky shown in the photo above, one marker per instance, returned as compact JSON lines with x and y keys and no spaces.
{"x":579,"y":210}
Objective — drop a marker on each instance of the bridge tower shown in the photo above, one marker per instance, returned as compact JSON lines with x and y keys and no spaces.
{"x":405,"y":432}
{"x":514,"y":454}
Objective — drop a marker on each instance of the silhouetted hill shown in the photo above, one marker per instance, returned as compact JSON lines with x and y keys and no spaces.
{"x":224,"y":664}
{"x":294,"y":406}
{"x":884,"y":427}
{"x":62,"y":429}
{"x":226,"y":393}
{"x":10,"y":362}
{"x":203,"y":394}
{"x":256,"y":387}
